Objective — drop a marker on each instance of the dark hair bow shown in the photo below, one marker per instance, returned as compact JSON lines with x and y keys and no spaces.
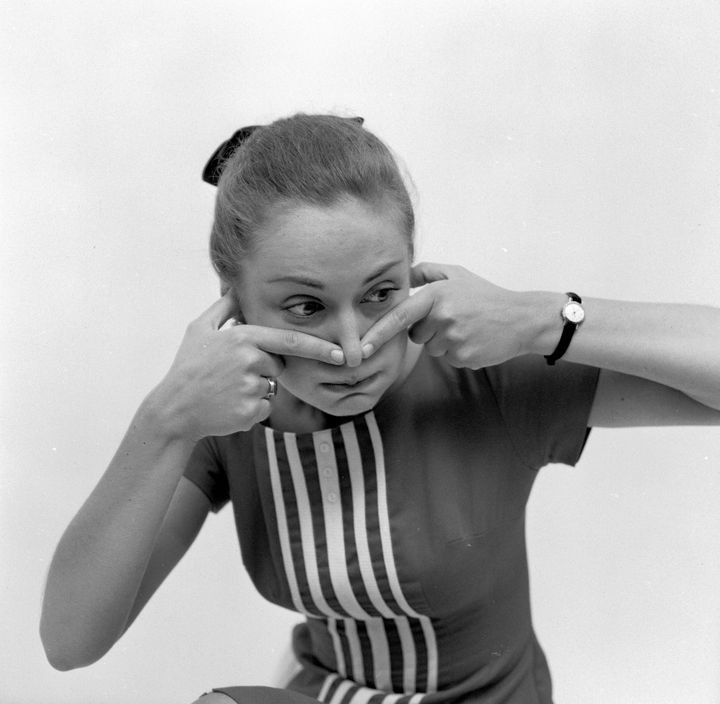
{"x":213,"y":169}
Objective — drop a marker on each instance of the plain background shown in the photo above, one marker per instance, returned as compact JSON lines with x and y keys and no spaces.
{"x":552,"y":145}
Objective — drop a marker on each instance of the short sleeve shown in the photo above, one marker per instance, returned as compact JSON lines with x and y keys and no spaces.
{"x":545,"y":408}
{"x":206,"y":471}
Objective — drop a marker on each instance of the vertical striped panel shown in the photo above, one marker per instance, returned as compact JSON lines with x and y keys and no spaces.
{"x":307,"y":537}
{"x":306,"y":527}
{"x":358,"y":665}
{"x":327,"y":684}
{"x":332,"y":625}
{"x":283,"y":532}
{"x":334,"y":526}
{"x":384,"y":518}
{"x":357,"y":480}
{"x":381,"y":653}
{"x":363,"y":696}
{"x":341,"y":690}
{"x":345,"y":559}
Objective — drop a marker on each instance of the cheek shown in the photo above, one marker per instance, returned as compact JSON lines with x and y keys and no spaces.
{"x":395,"y":349}
{"x":299,"y":371}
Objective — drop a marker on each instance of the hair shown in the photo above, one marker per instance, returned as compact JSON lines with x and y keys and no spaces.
{"x":304,"y":159}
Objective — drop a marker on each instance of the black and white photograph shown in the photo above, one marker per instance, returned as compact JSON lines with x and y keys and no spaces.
{"x":360,"y":353}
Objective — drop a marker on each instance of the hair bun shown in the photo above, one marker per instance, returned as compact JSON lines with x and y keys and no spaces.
{"x":213,"y":169}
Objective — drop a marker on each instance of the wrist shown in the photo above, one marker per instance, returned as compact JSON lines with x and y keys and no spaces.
{"x":542,"y":323}
{"x":159,"y":411}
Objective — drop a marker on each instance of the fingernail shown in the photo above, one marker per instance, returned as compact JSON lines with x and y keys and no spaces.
{"x":367,"y":350}
{"x":337,"y":356}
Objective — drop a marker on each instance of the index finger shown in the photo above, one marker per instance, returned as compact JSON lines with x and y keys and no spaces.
{"x":401,"y":317}
{"x":294,"y":343}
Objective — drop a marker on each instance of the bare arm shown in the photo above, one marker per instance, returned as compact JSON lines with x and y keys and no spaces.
{"x":661,"y":363}
{"x":142,"y":515}
{"x":182,"y":523}
{"x":102,"y":557}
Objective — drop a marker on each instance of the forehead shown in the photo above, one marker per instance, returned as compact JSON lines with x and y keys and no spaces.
{"x":347,"y":237}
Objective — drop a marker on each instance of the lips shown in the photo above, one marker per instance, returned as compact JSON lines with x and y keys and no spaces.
{"x":350,"y":382}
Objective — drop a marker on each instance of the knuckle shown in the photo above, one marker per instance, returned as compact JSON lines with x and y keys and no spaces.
{"x":291,"y":338}
{"x":240,"y":335}
{"x":245,"y":355}
{"x":193,"y":327}
{"x":399,"y":318}
{"x":442,"y":309}
{"x":246,"y":407}
{"x":454,"y":336}
{"x":464,"y":356}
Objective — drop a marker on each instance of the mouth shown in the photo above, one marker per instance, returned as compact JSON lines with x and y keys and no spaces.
{"x":353,"y":383}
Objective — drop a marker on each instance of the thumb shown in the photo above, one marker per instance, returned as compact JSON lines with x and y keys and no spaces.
{"x":427,"y":272}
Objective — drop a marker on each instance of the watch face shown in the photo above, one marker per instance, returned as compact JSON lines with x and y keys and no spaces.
{"x":574,"y":312}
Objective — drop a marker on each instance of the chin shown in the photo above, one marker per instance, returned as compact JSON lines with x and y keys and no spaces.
{"x":337,"y":404}
{"x":352,"y":405}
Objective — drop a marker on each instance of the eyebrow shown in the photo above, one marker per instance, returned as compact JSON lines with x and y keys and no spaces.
{"x":312,"y":283}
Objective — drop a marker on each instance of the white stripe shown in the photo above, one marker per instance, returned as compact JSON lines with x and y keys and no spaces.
{"x":385,"y":538}
{"x":334,"y":528}
{"x":375,"y":626}
{"x":384,"y":519}
{"x":326,"y":686}
{"x":358,"y":671}
{"x":307,"y":536}
{"x":281,"y":518}
{"x":357,"y":483}
{"x":432,"y":653}
{"x":390,"y":698}
{"x":363,"y":695}
{"x":381,"y":653}
{"x":329,"y":481}
{"x":409,"y":655}
{"x":340,"y":692}
{"x":416,"y":698}
{"x":337,"y":644}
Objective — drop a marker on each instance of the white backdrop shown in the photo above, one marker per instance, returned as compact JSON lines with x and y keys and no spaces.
{"x":554,"y":145}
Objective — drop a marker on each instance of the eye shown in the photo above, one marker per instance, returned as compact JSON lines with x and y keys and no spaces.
{"x":379,"y":295}
{"x":304,"y":309}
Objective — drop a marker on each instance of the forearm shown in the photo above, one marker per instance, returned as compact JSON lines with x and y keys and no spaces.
{"x":101,"y":558}
{"x":672,"y":344}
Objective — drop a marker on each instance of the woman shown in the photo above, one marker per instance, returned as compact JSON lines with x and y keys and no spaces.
{"x":378,"y":448}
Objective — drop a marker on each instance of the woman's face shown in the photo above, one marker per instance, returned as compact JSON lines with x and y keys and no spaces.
{"x":330,"y":272}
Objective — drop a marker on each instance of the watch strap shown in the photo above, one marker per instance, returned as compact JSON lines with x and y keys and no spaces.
{"x":566,"y":336}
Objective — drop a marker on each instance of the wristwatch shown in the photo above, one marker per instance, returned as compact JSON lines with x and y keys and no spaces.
{"x":573,"y":315}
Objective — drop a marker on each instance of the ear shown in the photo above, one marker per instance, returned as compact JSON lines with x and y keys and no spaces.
{"x":224,"y":288}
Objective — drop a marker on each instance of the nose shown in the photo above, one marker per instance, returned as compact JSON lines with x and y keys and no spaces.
{"x":349,"y":331}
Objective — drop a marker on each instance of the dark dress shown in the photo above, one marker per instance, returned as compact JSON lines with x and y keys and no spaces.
{"x":400,"y":533}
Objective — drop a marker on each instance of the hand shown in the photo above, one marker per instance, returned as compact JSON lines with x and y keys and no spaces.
{"x":217,"y":383}
{"x":455,"y":314}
